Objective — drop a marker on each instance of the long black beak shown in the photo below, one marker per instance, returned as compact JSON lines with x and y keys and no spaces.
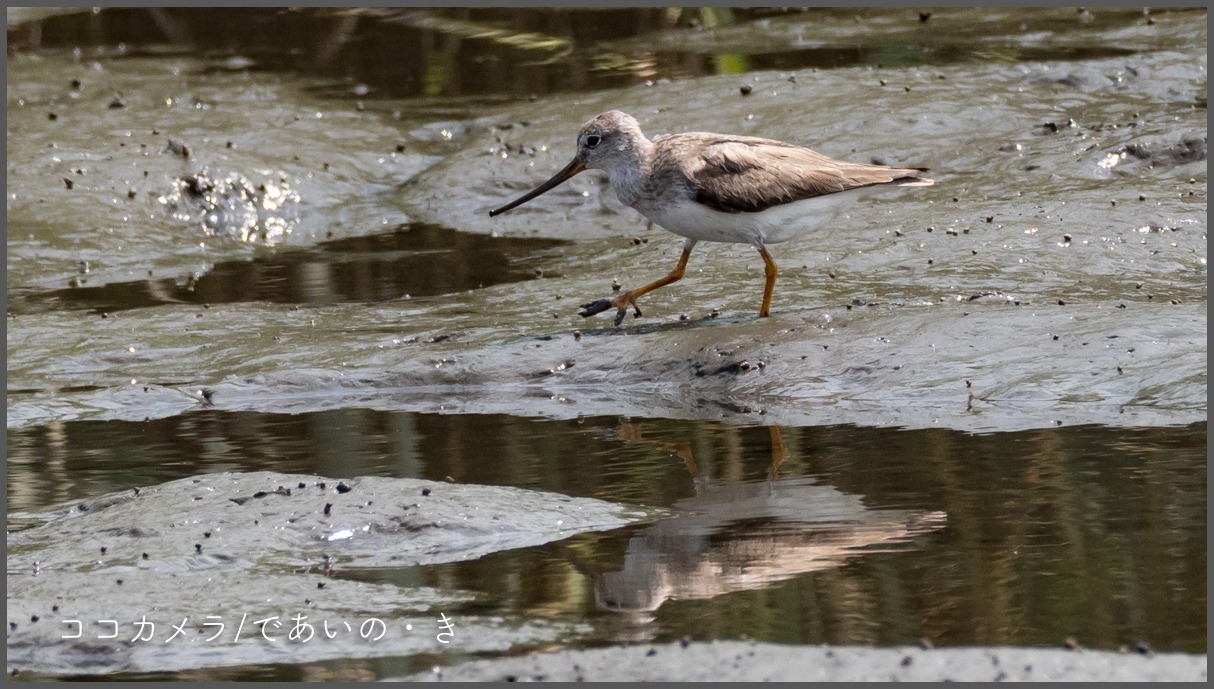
{"x":575,"y":166}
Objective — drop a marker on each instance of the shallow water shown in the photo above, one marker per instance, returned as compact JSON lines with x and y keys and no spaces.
{"x":827,"y":534}
{"x":976,"y":416}
{"x":414,"y":260}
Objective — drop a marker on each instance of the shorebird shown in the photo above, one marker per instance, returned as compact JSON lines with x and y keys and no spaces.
{"x":717,"y":188}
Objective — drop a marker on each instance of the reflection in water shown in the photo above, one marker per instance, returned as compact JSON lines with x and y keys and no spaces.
{"x":741,"y":535}
{"x":484,"y":51}
{"x":1094,"y":533}
{"x":630,"y":432}
{"x":452,"y":51}
{"x":414,"y":260}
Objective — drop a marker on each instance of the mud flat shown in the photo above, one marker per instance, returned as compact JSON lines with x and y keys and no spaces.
{"x":734,"y":661}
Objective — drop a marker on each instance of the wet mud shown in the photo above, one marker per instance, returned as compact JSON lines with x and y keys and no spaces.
{"x":199,"y":237}
{"x":751,"y":662}
{"x":225,"y":547}
{"x":1054,"y":231}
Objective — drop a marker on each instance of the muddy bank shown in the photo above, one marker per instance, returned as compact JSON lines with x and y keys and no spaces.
{"x":737,"y":661}
{"x":223,"y":551}
{"x":243,"y":254}
{"x":1055,"y":273}
{"x":985,"y":364}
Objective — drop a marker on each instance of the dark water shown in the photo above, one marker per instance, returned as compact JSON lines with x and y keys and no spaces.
{"x":1083,"y":532}
{"x":415,"y":260}
{"x":499,"y":52}
{"x":1087,"y":532}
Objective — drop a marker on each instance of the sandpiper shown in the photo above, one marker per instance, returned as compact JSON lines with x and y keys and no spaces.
{"x":717,"y":188}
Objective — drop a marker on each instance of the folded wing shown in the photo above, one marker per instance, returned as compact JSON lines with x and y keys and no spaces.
{"x":749,"y":175}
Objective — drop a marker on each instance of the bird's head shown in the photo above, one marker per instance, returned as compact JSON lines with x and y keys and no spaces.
{"x":605,"y":142}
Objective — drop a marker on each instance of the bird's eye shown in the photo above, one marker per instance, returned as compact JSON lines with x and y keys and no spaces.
{"x":593,"y":140}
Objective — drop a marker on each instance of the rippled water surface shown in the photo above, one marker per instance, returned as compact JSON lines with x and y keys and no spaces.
{"x":251,"y":247}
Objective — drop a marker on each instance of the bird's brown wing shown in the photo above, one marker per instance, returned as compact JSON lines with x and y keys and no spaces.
{"x":748,"y":174}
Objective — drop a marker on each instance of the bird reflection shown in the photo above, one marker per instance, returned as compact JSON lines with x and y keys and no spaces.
{"x":743,"y":535}
{"x":630,"y":433}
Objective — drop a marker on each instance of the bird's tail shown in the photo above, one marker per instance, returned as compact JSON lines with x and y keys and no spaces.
{"x":912,"y":179}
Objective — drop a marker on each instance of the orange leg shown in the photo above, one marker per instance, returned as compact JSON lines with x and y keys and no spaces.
{"x":629,"y":298}
{"x":770,"y":271}
{"x":778,"y":453}
{"x":630,"y":432}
